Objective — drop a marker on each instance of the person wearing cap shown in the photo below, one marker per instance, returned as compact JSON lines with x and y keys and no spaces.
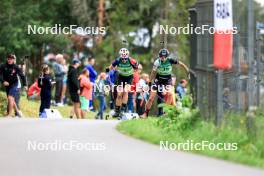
{"x":9,"y":75}
{"x":74,"y":86}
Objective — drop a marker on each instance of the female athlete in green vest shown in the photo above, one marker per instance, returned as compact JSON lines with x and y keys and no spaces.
{"x":161,"y":74}
{"x":125,"y":66}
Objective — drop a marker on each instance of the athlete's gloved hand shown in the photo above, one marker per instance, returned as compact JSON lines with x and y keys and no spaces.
{"x":191,"y":72}
{"x":150,"y":86}
{"x":107,"y":69}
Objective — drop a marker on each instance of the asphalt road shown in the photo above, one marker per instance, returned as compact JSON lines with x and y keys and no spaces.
{"x":107,"y":152}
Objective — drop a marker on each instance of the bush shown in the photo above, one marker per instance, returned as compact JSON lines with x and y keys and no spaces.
{"x":2,"y":104}
{"x":177,"y":119}
{"x":187,"y":101}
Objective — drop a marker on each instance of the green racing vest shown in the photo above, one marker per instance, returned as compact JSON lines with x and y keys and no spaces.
{"x":164,"y":68}
{"x":125,"y":69}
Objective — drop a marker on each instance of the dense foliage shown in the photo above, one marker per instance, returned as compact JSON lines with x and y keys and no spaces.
{"x":3,"y":104}
{"x":123,"y":20}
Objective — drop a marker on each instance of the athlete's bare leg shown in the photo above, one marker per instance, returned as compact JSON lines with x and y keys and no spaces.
{"x":119,"y":98}
{"x":149,"y":103}
{"x":11,"y":102}
{"x":118,"y":101}
{"x":125,"y":93}
{"x":169,"y":95}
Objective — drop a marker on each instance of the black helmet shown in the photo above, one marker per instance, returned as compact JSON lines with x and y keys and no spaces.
{"x":164,"y":52}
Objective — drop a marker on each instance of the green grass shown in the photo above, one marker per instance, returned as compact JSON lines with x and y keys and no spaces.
{"x":30,"y":108}
{"x":190,"y":127}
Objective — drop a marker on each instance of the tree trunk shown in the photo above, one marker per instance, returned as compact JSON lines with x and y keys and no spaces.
{"x":101,"y":12}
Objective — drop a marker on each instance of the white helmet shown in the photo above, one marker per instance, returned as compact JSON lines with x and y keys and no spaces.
{"x":124,"y":53}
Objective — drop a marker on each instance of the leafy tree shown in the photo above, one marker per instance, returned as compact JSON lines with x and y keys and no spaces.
{"x":15,"y":16}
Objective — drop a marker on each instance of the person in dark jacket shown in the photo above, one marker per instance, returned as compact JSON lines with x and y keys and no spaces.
{"x":74,"y":86}
{"x":45,"y":83}
{"x":9,"y":75}
{"x":111,"y":80}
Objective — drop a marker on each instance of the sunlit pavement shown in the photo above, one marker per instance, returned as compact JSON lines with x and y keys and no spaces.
{"x":117,"y":154}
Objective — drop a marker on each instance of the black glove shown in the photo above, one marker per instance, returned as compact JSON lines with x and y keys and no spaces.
{"x":107,"y":69}
{"x":149,"y":84}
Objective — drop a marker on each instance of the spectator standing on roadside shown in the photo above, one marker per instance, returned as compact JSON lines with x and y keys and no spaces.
{"x":64,"y":83}
{"x":100,"y":94}
{"x":142,"y":93}
{"x":86,"y":88}
{"x":59,"y":72}
{"x":9,"y":76}
{"x":111,"y":81}
{"x":74,"y":87}
{"x":19,"y":86}
{"x":92,"y":76}
{"x":181,"y":88}
{"x":45,"y":83}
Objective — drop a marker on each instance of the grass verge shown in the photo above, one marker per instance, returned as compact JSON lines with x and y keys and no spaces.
{"x":179,"y":128}
{"x":30,"y":108}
